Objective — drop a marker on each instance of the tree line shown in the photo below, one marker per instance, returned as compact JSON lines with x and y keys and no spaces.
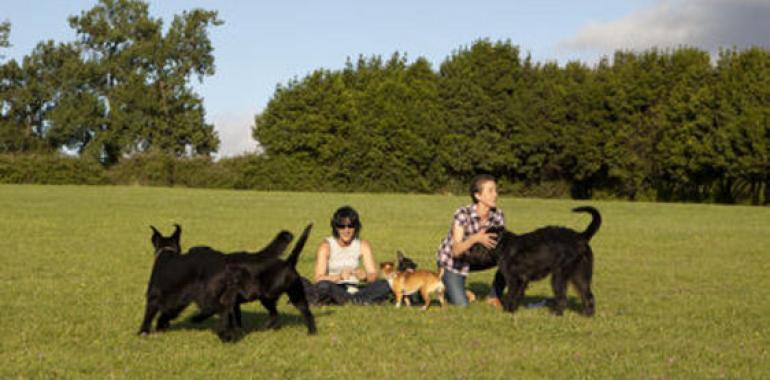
{"x":674,"y":124}
{"x":655,"y":125}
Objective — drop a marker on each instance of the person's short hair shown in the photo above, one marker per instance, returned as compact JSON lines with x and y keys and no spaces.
{"x":338,"y":219}
{"x":476,"y":184}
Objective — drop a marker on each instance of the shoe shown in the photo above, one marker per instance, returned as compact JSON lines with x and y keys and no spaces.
{"x":494,"y":302}
{"x":470,"y":295}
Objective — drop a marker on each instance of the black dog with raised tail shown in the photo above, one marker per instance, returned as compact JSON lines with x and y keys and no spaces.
{"x":563,"y":253}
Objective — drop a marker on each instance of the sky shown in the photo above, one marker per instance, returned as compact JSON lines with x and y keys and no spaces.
{"x":266,"y":43}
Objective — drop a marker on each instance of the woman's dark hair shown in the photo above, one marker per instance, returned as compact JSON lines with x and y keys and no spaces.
{"x":476,"y":184}
{"x":338,"y":219}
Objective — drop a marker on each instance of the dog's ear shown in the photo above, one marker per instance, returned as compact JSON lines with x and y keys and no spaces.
{"x":177,"y":233}
{"x":156,"y":236}
{"x":400,"y":255}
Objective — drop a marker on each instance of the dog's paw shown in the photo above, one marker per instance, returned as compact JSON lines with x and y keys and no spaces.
{"x":228,"y":336}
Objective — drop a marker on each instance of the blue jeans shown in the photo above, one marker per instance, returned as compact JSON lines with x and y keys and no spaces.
{"x":455,"y":288}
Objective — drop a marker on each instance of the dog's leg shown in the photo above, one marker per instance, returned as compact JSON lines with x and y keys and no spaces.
{"x":237,"y":314}
{"x":426,"y":297}
{"x":167,"y":316}
{"x":559,"y":285}
{"x":272,"y":319}
{"x":399,"y":297}
{"x":149,"y":314}
{"x":516,"y":288}
{"x":581,"y":279}
{"x":227,"y":332}
{"x":441,"y":298}
{"x":299,"y":300}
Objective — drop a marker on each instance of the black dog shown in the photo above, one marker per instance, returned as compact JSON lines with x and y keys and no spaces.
{"x":198,"y":276}
{"x":404,"y":263}
{"x":266,"y":278}
{"x":561,"y":252}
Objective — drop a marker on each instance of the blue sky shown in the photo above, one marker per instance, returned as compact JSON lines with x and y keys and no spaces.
{"x":266,"y":43}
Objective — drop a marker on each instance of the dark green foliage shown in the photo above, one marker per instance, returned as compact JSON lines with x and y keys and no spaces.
{"x":668,"y":125}
{"x":50,"y":169}
{"x":375,"y":126}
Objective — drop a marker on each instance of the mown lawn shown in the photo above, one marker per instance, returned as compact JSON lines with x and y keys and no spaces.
{"x":682,"y":291}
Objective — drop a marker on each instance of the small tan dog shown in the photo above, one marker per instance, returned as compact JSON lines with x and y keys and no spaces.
{"x":409,"y":282}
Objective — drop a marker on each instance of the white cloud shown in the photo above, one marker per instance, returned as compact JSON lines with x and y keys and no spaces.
{"x":705,"y":24}
{"x":234,"y":131}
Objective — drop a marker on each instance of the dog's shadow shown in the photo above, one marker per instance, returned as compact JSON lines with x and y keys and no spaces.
{"x":482,"y":291}
{"x":253,"y":321}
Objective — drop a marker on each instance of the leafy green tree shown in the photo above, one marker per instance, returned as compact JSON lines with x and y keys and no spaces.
{"x":477,"y":86}
{"x":688,"y":161}
{"x":639,"y":92}
{"x":743,"y":109}
{"x":30,"y":93}
{"x":372,"y":126}
{"x":141,"y":78}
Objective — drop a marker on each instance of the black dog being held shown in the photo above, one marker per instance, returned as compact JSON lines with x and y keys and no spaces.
{"x":563,"y":253}
{"x":200,"y":276}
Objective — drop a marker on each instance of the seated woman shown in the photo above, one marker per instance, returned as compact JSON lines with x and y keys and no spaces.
{"x":338,"y":276}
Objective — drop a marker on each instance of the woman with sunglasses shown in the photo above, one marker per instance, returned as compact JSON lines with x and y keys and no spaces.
{"x":339,"y":277}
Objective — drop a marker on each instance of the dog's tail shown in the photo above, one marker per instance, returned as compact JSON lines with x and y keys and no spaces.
{"x":292,"y":259}
{"x":596,"y":221}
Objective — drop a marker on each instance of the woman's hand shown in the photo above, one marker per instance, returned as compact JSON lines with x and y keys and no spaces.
{"x":346,"y":274}
{"x":360,"y":274}
{"x":487,"y":239}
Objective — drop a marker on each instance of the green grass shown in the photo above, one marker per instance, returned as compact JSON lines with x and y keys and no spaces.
{"x":682,"y":291}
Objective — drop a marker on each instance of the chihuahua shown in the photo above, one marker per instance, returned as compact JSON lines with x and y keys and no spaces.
{"x":412,"y":281}
{"x":407,"y":264}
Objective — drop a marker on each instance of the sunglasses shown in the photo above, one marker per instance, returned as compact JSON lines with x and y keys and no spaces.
{"x":343,"y":226}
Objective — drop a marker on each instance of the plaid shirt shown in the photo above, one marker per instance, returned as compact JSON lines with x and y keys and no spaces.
{"x":469,"y":219}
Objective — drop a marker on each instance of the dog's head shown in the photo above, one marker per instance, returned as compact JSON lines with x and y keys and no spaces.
{"x":166,"y":244}
{"x":388,"y":269}
{"x":480,"y":257}
{"x":405,"y":263}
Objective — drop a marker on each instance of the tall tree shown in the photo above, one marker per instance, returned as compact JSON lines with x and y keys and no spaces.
{"x":743,"y":108}
{"x":476,"y":87}
{"x":142,"y":78}
{"x":687,"y":158}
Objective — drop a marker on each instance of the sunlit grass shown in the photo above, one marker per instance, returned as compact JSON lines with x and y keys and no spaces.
{"x":681,"y":291}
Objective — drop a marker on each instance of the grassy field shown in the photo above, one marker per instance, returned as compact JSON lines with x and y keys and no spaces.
{"x":682,"y":291}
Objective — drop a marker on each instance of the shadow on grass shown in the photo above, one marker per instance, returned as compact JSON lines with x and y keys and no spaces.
{"x":529,"y":301}
{"x":252,"y":321}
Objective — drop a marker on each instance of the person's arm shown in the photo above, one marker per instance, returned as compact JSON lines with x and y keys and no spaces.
{"x":369,"y":265}
{"x":460,"y":246}
{"x":322,"y":264}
